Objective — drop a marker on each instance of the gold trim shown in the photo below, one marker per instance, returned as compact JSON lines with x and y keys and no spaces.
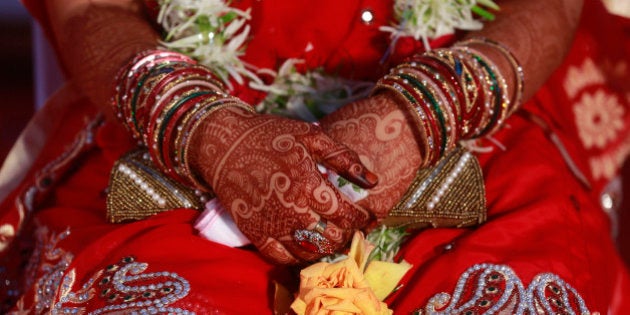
{"x":137,"y":189}
{"x":431,"y":202}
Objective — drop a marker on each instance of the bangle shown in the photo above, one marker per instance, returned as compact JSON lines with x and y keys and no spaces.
{"x":423,"y":131}
{"x":517,"y":69}
{"x":426,"y":127}
{"x":453,"y":94}
{"x":441,"y":104}
{"x":161,"y":97}
{"x":447,"y":84}
{"x":496,"y":88}
{"x":473,"y":113}
{"x":127,"y":77}
{"x":168,"y":128}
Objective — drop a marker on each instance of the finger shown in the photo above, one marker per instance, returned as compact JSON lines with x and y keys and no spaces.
{"x":276,"y":252}
{"x":339,"y":158}
{"x":334,"y":206}
{"x":300,"y":251}
{"x":347,"y":164}
{"x":314,"y":247}
{"x":337,"y":234}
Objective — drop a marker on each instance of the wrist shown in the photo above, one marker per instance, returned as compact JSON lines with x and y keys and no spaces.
{"x":211,"y":138}
{"x":163,"y":97}
{"x":455,"y":94}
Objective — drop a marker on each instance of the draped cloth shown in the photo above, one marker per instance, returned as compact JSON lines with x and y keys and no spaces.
{"x":546,"y":230}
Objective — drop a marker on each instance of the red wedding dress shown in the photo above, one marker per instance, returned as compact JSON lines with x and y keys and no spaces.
{"x":547,"y":239}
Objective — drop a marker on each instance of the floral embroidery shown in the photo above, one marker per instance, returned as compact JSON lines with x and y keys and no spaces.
{"x":490,"y":289}
{"x":125,"y":287}
{"x":578,"y":78}
{"x":607,"y":165}
{"x":599,"y":115}
{"x":599,"y":118}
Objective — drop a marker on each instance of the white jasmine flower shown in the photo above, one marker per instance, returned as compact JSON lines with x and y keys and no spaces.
{"x":211,"y":32}
{"x":428,"y":19}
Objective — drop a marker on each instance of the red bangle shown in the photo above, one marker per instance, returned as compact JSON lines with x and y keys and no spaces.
{"x":166,"y":142}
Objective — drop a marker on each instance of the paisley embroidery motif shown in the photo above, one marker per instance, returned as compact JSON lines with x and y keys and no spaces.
{"x":491,"y":289}
{"x":49,"y":262}
{"x":553,"y":295}
{"x":126,"y":288}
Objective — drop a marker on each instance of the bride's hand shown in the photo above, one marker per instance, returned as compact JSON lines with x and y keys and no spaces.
{"x":378,"y":130}
{"x":263,"y":169}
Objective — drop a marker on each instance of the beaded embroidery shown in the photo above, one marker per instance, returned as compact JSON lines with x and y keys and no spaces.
{"x":125,"y":288}
{"x":490,"y":289}
{"x":49,"y":262}
{"x":137,"y":189}
{"x":449,"y":194}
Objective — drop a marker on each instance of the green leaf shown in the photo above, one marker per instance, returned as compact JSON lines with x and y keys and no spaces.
{"x":483,"y":13}
{"x":490,"y":4}
{"x":342,"y":181}
{"x":314,"y":108}
{"x":203,"y":23}
{"x":387,"y":242}
{"x":356,"y":188}
{"x":228,"y":17}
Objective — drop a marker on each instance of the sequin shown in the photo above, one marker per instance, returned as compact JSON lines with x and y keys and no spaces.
{"x":367,"y":16}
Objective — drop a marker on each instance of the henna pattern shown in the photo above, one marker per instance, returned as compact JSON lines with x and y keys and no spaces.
{"x":94,"y":50}
{"x":378,"y":131}
{"x":264,"y":170}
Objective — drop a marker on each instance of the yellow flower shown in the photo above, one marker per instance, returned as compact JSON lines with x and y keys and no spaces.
{"x":347,"y":286}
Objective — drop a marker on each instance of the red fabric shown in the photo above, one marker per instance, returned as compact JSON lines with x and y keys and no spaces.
{"x":541,"y":219}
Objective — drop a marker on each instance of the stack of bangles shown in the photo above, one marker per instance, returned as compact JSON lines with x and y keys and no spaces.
{"x":162,"y":97}
{"x":454,"y":94}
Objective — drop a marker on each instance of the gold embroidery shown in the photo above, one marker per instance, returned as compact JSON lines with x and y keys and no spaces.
{"x":137,"y":189}
{"x":450,"y":194}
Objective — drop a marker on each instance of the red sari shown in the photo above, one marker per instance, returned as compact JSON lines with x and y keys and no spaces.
{"x":547,"y":239}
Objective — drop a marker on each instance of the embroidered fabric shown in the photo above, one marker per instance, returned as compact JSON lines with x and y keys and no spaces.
{"x":125,"y":287}
{"x":491,"y":289}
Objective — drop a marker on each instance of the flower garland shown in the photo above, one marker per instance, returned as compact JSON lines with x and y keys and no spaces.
{"x":307,"y":96}
{"x":428,"y":19}
{"x":210,"y":32}
{"x":215,"y":34}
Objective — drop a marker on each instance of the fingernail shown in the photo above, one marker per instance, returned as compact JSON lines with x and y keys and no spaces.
{"x":370,"y":178}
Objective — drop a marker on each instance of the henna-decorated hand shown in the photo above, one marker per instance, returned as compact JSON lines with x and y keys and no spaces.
{"x":377,"y":129}
{"x":263,"y":169}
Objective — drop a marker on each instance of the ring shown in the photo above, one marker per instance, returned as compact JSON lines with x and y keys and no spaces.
{"x":313,"y":241}
{"x":320,"y":227}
